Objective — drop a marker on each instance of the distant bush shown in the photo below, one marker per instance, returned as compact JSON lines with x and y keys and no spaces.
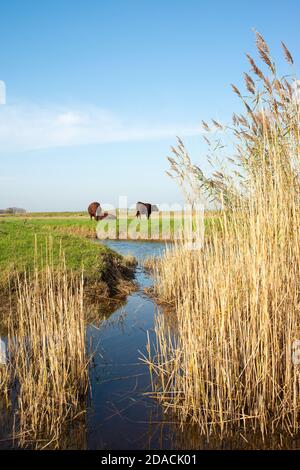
{"x":13,"y":210}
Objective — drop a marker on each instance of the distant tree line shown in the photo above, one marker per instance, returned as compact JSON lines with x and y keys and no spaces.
{"x":13,"y":210}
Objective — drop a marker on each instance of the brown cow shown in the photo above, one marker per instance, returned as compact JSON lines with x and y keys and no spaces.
{"x":94,"y":210}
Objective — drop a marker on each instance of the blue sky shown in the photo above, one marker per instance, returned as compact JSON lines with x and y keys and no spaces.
{"x":98,"y":89}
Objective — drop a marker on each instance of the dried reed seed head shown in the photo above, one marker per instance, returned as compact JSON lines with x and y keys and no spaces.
{"x":171,"y":160}
{"x":181,"y":150}
{"x":267,"y":85}
{"x":236,"y":90}
{"x":242,"y":120}
{"x":266,"y":59}
{"x":175,"y":151}
{"x":179,"y":141}
{"x":275,"y":110}
{"x":217,"y":124}
{"x":248,"y":136}
{"x":287,"y":54}
{"x":238,"y":133}
{"x":278,"y":85}
{"x":235,"y":119}
{"x":205,"y":126}
{"x":255,"y":69}
{"x":250,"y":85}
{"x":249,"y":110}
{"x":206,"y":140}
{"x":261,"y":43}
{"x":218,"y":174}
{"x":264,"y":51}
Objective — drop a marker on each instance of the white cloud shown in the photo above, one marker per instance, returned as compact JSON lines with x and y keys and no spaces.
{"x":29,"y":126}
{"x":69,"y":118}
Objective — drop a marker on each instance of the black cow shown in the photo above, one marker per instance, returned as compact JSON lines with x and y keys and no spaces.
{"x":145,"y":208}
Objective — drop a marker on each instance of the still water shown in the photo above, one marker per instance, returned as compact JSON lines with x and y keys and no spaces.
{"x":121,"y":415}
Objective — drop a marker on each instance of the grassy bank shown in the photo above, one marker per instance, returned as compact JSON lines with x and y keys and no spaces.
{"x":102,"y":268}
{"x":227,"y":359}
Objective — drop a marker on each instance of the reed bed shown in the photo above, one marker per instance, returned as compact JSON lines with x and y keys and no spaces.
{"x":48,"y":354}
{"x":227,"y":361}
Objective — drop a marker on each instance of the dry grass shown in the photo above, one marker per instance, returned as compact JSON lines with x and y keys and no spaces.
{"x":48,"y":355}
{"x":79,"y":231}
{"x":237,"y":301}
{"x":150,"y":263}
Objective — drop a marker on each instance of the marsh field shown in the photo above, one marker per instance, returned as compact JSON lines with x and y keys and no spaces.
{"x":157,"y":344}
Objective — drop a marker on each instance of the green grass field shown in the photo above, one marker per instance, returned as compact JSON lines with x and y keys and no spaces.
{"x":79,"y":223}
{"x":20,"y":238}
{"x":75,"y":233}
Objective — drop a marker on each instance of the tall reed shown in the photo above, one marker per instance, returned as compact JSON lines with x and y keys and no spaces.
{"x":228,"y":362}
{"x":48,"y":353}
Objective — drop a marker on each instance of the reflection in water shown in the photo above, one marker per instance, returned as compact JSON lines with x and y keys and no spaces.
{"x":189,"y":437}
{"x":3,"y":353}
{"x":120,"y":413}
{"x":6,"y":418}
